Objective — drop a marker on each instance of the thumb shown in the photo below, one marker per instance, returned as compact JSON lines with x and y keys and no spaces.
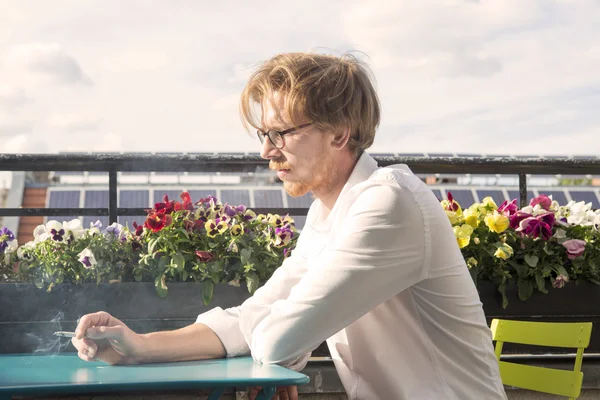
{"x":105,"y":332}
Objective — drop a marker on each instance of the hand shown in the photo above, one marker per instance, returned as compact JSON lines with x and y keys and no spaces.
{"x":282,"y":393}
{"x":106,"y":339}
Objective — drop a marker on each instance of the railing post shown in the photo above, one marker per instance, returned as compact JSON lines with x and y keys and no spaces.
{"x":112,"y":197}
{"x":522,"y":189}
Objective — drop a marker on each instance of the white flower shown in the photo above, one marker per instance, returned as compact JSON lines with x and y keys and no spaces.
{"x":12,"y":247}
{"x":560,"y":234}
{"x":40,"y":234}
{"x":86,"y":257}
{"x":23,"y":251}
{"x":74,"y":226}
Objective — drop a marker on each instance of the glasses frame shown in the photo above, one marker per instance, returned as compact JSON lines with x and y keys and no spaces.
{"x":261,"y":135}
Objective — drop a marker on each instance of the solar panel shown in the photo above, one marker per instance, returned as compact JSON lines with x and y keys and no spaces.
{"x":440,"y":155}
{"x":463,"y":197}
{"x":133,"y":199}
{"x":63,"y":199}
{"x":466,"y":155}
{"x":383,"y":154}
{"x":299,"y":221}
{"x":587,"y":196}
{"x":235,"y":197}
{"x":410,"y":154}
{"x":300,"y":202}
{"x":268,"y":198}
{"x":95,"y":199}
{"x":557,"y":195}
{"x":514,"y":194}
{"x":497,"y":195}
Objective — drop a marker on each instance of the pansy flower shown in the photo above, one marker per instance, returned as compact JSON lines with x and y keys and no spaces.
{"x":213,"y":228}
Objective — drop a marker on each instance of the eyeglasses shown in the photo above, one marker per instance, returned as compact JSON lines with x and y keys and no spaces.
{"x":276,"y":137}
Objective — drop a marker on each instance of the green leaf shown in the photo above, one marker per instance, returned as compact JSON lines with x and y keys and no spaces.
{"x":212,"y":245}
{"x":525,"y":289}
{"x":541,"y":282}
{"x":208,"y":287}
{"x":502,"y":290}
{"x":152,"y":245}
{"x":252,"y":281}
{"x":179,"y":261}
{"x":138,"y":277}
{"x":531,"y":260}
{"x":245,"y":255}
{"x":160,"y":285}
{"x":162,"y":263}
{"x":562,"y":271}
{"x":184,"y":275}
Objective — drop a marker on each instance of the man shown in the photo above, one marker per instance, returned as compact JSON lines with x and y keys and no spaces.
{"x":376,"y":271}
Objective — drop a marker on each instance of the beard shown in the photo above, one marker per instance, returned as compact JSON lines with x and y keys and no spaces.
{"x":322,"y":176}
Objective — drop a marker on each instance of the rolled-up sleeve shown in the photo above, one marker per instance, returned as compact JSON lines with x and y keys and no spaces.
{"x":378,"y":251}
{"x":235,"y":333}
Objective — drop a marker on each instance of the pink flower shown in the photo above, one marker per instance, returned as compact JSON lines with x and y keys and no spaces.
{"x":559,"y":282}
{"x":575,"y":248}
{"x":535,"y":227}
{"x":543,"y":200}
{"x":508,"y":209}
{"x":517,"y":217}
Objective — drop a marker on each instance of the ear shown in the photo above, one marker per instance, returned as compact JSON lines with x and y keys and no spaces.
{"x":340,"y":138}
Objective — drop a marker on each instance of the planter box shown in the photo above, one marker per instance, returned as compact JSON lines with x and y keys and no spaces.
{"x":575,"y":302}
{"x":29,"y":316}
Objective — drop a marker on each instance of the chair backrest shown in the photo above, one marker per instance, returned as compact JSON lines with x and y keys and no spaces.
{"x":560,"y":382}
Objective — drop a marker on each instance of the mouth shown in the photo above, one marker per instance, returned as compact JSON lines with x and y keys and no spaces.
{"x":282,"y":173}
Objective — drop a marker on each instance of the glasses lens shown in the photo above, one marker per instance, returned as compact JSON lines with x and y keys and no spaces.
{"x":276,"y":139}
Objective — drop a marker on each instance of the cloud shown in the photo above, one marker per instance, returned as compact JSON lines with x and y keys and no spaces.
{"x":499,"y":75}
{"x":47,"y":60}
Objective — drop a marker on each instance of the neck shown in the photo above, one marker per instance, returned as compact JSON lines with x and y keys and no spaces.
{"x":329,"y":193}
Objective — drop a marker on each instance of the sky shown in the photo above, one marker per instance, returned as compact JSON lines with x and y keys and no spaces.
{"x":492,"y":77}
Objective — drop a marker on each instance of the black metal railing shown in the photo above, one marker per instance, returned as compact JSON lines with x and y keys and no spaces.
{"x":114,"y":163}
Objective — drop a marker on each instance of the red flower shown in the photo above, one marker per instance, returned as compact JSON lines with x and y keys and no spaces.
{"x":139,"y":229}
{"x":156,"y":221}
{"x":166,"y":207}
{"x":204,"y":256}
{"x":187,"y":203}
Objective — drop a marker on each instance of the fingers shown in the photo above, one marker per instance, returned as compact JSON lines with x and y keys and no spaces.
{"x":105,"y":332}
{"x":96,"y":319}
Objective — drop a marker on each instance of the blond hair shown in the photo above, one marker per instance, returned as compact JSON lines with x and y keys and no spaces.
{"x":331,"y":92}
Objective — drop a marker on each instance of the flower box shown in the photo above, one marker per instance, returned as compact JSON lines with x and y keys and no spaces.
{"x":29,"y":316}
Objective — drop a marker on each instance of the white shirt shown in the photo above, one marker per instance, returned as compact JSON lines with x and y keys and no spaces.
{"x":382,"y":279}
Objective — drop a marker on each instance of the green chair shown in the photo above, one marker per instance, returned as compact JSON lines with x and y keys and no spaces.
{"x":554,"y":334}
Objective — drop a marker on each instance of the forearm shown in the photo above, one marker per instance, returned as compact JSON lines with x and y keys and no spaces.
{"x":193,"y":342}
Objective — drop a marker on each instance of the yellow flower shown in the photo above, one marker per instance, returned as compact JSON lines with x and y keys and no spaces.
{"x":454,"y":218}
{"x":275,"y":220}
{"x":213,"y":229}
{"x":489,"y":204}
{"x":472,"y":217}
{"x":463,"y":234}
{"x":472,"y":262}
{"x":504,"y":251}
{"x":236,"y":230}
{"x":497,"y":222}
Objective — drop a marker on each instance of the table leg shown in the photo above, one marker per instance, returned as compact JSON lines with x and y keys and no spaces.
{"x":215,"y":395}
{"x":266,"y":393}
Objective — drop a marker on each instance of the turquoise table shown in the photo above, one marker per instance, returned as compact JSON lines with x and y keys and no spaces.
{"x":66,"y":374}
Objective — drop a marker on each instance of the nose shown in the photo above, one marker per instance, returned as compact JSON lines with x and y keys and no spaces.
{"x":268,"y":151}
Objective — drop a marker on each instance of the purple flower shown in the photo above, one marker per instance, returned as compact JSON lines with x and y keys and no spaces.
{"x":5,"y":236}
{"x":535,"y":227}
{"x":57,"y":235}
{"x":543,"y":200}
{"x":575,"y":248}
{"x":230,"y":211}
{"x":508,"y":209}
{"x":240,"y":209}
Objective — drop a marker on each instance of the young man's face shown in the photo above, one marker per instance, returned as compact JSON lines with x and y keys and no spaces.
{"x":305,"y":163}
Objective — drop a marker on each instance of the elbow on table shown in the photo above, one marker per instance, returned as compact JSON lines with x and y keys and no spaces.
{"x":271,"y":352}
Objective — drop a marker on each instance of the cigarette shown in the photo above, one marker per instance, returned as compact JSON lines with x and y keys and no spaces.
{"x":64,"y":334}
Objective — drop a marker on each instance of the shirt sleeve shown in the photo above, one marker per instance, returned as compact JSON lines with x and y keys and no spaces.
{"x":234,"y":333}
{"x":379,"y":250}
